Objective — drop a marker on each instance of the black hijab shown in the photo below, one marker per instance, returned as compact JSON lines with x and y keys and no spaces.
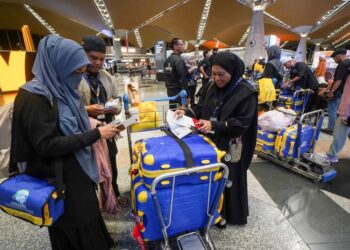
{"x":231,"y":63}
{"x":234,"y":66}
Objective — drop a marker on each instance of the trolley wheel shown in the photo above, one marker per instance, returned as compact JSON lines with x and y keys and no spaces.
{"x":229,"y":183}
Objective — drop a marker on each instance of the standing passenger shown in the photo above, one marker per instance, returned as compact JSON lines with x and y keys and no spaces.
{"x":97,"y":87}
{"x":49,"y":121}
{"x":229,"y":111}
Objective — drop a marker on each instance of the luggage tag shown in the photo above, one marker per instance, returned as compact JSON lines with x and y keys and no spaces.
{"x":235,"y":149}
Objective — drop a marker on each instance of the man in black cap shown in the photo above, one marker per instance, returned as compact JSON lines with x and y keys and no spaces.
{"x":97,"y":87}
{"x":334,"y":91}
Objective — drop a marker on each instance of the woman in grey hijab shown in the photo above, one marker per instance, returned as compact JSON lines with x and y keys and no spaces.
{"x":50,"y":121}
{"x":273,"y":67}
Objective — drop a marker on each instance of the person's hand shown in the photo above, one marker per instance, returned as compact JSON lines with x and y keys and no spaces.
{"x":206,"y":77}
{"x":321,"y":91}
{"x":95,"y":110}
{"x":108,"y":131}
{"x":110,"y":110}
{"x":284,"y":85}
{"x":344,"y":120}
{"x":188,"y":101}
{"x":204,"y":126}
{"x":179,"y":113}
{"x":329,"y":95}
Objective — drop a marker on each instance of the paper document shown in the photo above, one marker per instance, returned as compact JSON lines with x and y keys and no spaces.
{"x":180,"y":127}
{"x":134,"y":118}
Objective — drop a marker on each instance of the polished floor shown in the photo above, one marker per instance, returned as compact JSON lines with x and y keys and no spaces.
{"x":287,"y":211}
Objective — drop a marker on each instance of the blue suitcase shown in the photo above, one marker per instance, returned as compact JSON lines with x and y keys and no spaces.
{"x":285,"y":145}
{"x":265,"y":141}
{"x":159,"y":155}
{"x":188,"y":213}
{"x":155,"y":156}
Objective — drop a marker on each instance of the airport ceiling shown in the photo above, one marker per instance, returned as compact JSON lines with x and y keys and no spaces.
{"x":227,"y":21}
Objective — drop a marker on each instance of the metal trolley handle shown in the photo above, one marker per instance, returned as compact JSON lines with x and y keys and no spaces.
{"x":173,"y":175}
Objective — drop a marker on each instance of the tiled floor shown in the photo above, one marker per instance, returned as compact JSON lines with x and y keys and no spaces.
{"x":287,"y":211}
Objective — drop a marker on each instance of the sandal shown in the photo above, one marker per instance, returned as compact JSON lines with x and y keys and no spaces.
{"x":123,"y":202}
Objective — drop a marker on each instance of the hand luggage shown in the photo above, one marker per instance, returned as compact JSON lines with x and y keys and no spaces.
{"x":265,"y":141}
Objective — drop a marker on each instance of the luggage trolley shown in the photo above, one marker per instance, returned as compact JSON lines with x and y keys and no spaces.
{"x":296,"y":101}
{"x":161,"y":111}
{"x":302,"y":159}
{"x":165,"y":211}
{"x":191,"y":240}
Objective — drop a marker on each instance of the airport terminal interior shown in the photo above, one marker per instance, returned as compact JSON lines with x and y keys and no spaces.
{"x":298,"y":193}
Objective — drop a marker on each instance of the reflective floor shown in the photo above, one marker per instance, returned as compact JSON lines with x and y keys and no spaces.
{"x":287,"y":211}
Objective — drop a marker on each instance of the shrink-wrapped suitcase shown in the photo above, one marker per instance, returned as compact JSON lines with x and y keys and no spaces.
{"x":265,"y":141}
{"x":285,"y":144}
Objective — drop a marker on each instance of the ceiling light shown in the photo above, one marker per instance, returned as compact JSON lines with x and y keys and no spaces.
{"x":104,"y":14}
{"x":138,"y":37}
{"x":330,"y":13}
{"x":203,"y":20}
{"x":40,"y":19}
{"x":244,"y":37}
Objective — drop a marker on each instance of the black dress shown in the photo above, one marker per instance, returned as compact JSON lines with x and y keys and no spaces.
{"x":236,"y":117}
{"x":37,"y":140}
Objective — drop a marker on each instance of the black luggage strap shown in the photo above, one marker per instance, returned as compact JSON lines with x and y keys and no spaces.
{"x":60,"y":188}
{"x":185,"y":148}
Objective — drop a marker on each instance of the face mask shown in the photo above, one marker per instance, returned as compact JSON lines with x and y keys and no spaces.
{"x":73,"y":80}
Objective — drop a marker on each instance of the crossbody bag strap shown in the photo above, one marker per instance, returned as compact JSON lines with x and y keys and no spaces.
{"x":185,"y":148}
{"x":60,"y":188}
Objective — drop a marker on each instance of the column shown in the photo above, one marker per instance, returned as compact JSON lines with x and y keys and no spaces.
{"x":300,"y":54}
{"x":255,"y":45}
{"x":117,"y":48}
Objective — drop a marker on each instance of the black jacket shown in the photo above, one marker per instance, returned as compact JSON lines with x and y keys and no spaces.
{"x":176,"y":74}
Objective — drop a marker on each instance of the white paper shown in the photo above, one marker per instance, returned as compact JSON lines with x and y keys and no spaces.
{"x":180,"y":127}
{"x":184,"y":121}
{"x":181,"y":132}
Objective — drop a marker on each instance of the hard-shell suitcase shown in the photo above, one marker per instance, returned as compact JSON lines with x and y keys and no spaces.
{"x":265,"y":141}
{"x":159,"y":155}
{"x":155,"y":156}
{"x":285,"y":144}
{"x":188,"y":212}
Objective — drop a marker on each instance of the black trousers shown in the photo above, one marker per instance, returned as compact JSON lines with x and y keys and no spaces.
{"x":192,"y":91}
{"x":112,"y":148}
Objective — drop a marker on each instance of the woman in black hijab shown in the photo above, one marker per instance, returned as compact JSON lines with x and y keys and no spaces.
{"x":228,"y":111}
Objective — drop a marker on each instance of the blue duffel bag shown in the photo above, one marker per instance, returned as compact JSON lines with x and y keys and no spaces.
{"x":34,"y":200}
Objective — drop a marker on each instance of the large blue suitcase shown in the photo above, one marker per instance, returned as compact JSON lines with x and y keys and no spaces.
{"x":155,"y":156}
{"x":159,"y":155}
{"x":285,"y":145}
{"x":189,"y":208}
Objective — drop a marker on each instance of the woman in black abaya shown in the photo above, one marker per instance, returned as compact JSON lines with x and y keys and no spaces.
{"x":229,"y":109}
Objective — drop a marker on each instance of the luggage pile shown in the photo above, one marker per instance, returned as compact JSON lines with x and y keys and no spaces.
{"x":284,"y":142}
{"x":183,"y":200}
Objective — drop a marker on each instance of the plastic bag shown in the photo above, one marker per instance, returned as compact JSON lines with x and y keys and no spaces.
{"x":274,"y":120}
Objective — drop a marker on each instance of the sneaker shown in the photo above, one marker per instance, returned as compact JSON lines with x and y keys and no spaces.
{"x":326,"y":131}
{"x":331,"y":159}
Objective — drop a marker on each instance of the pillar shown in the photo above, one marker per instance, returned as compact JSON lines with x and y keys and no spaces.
{"x":117,"y":48}
{"x":255,"y":45}
{"x":300,"y":54}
